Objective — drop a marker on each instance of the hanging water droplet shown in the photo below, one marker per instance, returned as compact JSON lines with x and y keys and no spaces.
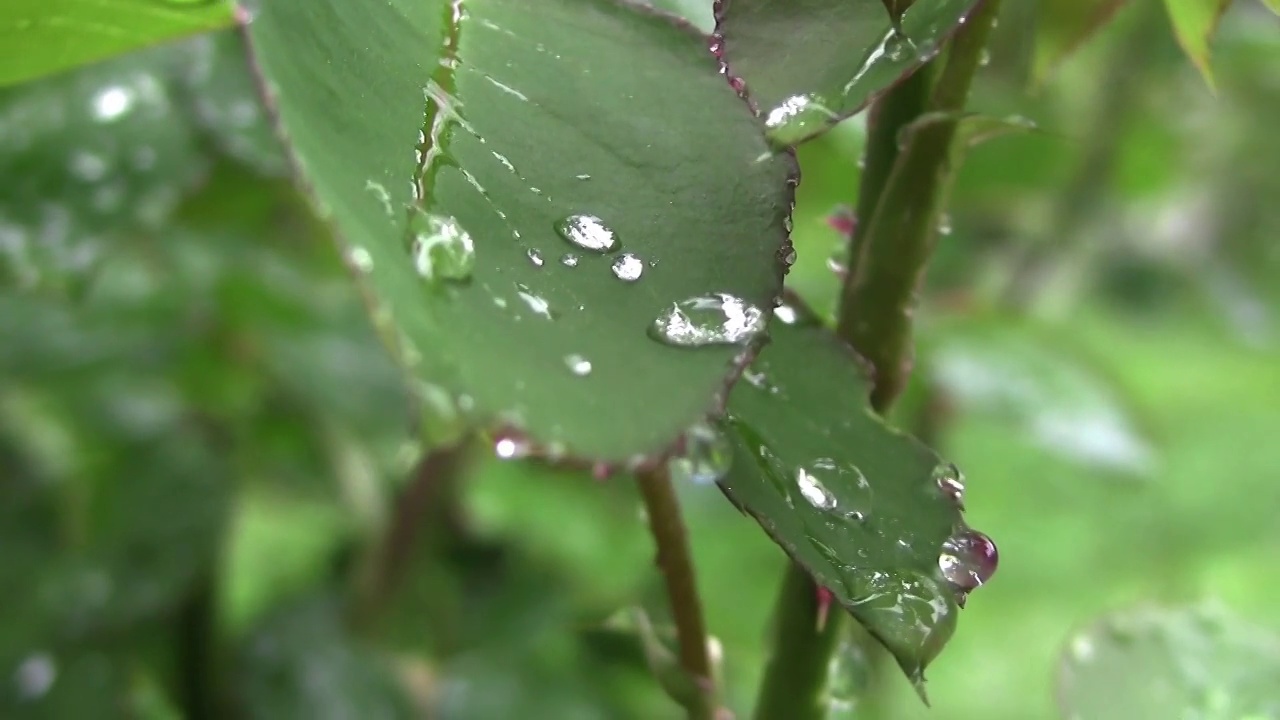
{"x":944,"y":224}
{"x":713,"y":319}
{"x":441,"y":248}
{"x":628,"y":267}
{"x":707,"y":455}
{"x":812,"y":489}
{"x":535,"y":257}
{"x":577,"y":364}
{"x":968,"y":559}
{"x":589,"y":233}
{"x":950,"y":482}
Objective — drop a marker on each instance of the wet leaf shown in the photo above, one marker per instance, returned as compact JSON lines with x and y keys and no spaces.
{"x":555,"y":139}
{"x":41,"y":37}
{"x":870,"y":512}
{"x":1063,"y":26}
{"x":87,"y":156}
{"x":303,"y":664}
{"x":811,"y":63}
{"x":1171,"y":663}
{"x":1194,"y":23}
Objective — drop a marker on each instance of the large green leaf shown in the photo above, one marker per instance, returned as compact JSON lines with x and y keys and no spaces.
{"x":1194,"y":22}
{"x":1175,"y":663}
{"x":874,"y":515}
{"x":563,"y":118}
{"x":808,"y":64}
{"x":86,"y":156}
{"x":38,"y":37}
{"x":1063,"y":25}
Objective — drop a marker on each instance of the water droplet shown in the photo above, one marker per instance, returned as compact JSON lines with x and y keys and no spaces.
{"x":535,"y":257}
{"x":511,"y":446}
{"x":944,"y":224}
{"x":589,"y":233}
{"x":707,"y":455}
{"x":984,"y":58}
{"x":896,"y":46}
{"x":787,"y":255}
{"x":812,"y":489}
{"x":578,"y":365}
{"x":786,"y":314}
{"x":837,"y":267}
{"x":713,"y":319}
{"x":950,"y":481}
{"x":569,"y":260}
{"x":968,"y":559}
{"x":758,"y":379}
{"x":628,"y":267}
{"x":359,"y":259}
{"x":583,"y":176}
{"x":536,"y":303}
{"x":441,"y":248}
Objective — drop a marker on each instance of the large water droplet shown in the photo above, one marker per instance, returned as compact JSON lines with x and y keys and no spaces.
{"x":968,"y":559}
{"x":950,"y":482}
{"x":589,"y":233}
{"x":441,"y":248}
{"x":812,"y":490}
{"x":707,"y":456}
{"x":628,"y":267}
{"x":577,"y":364}
{"x":713,"y":319}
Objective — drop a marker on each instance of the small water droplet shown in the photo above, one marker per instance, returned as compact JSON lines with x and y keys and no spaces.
{"x":786,"y":314}
{"x":511,"y":446}
{"x":787,"y":255}
{"x":589,"y":233}
{"x":535,"y":257}
{"x":441,"y":248}
{"x":583,"y":176}
{"x":628,"y":267}
{"x":968,"y":559}
{"x":713,"y":319}
{"x":359,"y":259}
{"x":577,"y":364}
{"x":569,"y":260}
{"x":812,"y":489}
{"x":944,"y":224}
{"x":707,"y":455}
{"x":536,"y":303}
{"x":950,"y":482}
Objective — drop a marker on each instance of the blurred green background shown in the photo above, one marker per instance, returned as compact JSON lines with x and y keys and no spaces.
{"x":207,"y":500}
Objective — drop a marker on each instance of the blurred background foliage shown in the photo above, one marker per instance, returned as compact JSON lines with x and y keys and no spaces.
{"x":208,"y":505}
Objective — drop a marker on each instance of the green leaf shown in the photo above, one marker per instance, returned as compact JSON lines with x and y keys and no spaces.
{"x":1065,"y":25}
{"x":863,"y":507}
{"x":1274,"y":5}
{"x":88,"y":156}
{"x":567,"y":109}
{"x":697,"y":12}
{"x":39,"y":37}
{"x":302,"y":664}
{"x":811,"y":63}
{"x":1171,"y":663}
{"x":1194,"y":23}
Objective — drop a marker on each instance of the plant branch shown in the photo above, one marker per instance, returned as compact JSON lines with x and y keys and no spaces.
{"x":878,"y":299}
{"x":676,"y":563}
{"x":795,"y":679}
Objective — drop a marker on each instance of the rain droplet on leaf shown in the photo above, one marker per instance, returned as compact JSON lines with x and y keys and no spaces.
{"x":628,"y":267}
{"x":950,"y":482}
{"x":441,"y":248}
{"x":569,"y":260}
{"x":812,"y":490}
{"x":968,"y":559}
{"x":535,"y":257}
{"x":706,"y":458}
{"x":712,"y":319}
{"x":588,"y":232}
{"x":577,"y":364}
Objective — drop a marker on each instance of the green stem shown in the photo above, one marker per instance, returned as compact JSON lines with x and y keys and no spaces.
{"x":795,"y":680}
{"x":899,"y":201}
{"x":676,"y":563}
{"x":878,"y":299}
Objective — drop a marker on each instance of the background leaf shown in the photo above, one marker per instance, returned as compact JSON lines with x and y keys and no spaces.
{"x":528,"y":128}
{"x":1158,"y":663}
{"x":1064,"y":25}
{"x":42,"y":37}
{"x":809,"y":64}
{"x":1194,"y":23}
{"x":866,"y":509}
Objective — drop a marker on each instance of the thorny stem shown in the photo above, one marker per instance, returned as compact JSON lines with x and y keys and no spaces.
{"x":901,"y":196}
{"x":676,"y":563}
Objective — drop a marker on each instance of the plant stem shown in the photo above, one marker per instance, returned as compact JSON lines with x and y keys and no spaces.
{"x":676,"y":563}
{"x":199,"y":673}
{"x":878,"y":299}
{"x":901,"y":195}
{"x":795,"y":680}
